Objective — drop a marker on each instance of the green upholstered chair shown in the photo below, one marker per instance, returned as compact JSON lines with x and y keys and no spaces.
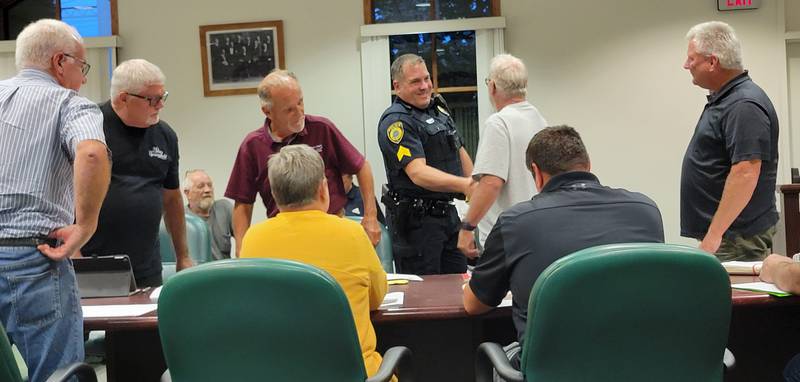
{"x":165,"y":244}
{"x":263,"y":320}
{"x":198,"y":239}
{"x":384,"y":247}
{"x":623,"y":312}
{"x":9,"y":371}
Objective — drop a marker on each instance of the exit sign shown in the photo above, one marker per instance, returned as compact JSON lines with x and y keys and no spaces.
{"x":732,"y":5}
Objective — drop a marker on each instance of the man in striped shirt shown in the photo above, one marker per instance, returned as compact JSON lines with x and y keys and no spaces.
{"x":54,"y":173}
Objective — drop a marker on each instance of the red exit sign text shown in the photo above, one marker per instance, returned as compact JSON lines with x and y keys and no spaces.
{"x":732,"y":5}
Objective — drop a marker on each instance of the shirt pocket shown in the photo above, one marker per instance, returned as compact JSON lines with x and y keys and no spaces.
{"x":13,"y":139}
{"x":437,"y":144}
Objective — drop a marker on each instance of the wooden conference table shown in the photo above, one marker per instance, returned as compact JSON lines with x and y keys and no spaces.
{"x":764,"y":333}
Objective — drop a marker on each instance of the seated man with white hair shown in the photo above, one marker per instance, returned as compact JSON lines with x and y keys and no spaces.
{"x":144,"y":175}
{"x":303,"y":231}
{"x":199,"y":190}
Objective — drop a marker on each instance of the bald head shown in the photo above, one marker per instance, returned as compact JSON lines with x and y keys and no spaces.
{"x":276,"y":79}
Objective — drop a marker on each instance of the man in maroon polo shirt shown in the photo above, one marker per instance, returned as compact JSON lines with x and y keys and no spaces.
{"x":286,"y":124}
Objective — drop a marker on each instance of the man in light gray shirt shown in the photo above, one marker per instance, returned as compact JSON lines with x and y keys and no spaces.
{"x":199,"y":191}
{"x":54,"y":174}
{"x":503,"y":179}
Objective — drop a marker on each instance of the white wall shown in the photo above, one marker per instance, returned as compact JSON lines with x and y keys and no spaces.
{"x":793,"y":66}
{"x":611,"y":69}
{"x":321,"y":47}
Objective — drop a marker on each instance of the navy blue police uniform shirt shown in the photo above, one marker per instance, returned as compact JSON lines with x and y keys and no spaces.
{"x":406,"y":133}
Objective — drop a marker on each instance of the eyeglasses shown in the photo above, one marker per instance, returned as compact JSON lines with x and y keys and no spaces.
{"x":152,"y":100}
{"x":84,"y":65}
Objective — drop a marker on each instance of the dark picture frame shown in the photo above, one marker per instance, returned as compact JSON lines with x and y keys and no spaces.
{"x":236,"y":57}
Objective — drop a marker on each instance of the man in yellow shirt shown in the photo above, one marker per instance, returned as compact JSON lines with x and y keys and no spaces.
{"x":303,"y":231}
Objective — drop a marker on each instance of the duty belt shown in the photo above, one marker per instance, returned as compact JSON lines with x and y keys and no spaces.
{"x":29,"y":241}
{"x":422,"y":206}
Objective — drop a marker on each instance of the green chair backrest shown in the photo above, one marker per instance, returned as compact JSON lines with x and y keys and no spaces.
{"x":9,"y":371}
{"x":258,"y":320}
{"x":384,"y":247}
{"x":625,"y":312}
{"x":198,"y":239}
{"x":165,"y":244}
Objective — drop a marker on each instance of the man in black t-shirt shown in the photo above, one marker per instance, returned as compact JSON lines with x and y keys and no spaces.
{"x":144,"y":175}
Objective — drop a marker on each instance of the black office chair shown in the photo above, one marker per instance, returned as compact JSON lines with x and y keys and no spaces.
{"x":9,"y":371}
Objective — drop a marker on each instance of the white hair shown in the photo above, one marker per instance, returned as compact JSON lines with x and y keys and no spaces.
{"x":135,"y":75}
{"x":188,"y":183}
{"x":718,"y":39}
{"x":295,"y":174}
{"x":509,"y":75}
{"x":275,"y":79}
{"x":42,"y":39}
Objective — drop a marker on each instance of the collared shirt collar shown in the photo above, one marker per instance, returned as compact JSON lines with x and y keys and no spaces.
{"x":36,"y":74}
{"x":271,"y":138}
{"x":412,"y":107}
{"x":570,"y":178}
{"x":713,"y":97}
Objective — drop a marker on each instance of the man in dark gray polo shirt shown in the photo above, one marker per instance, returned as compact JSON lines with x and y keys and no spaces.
{"x":572,"y":211}
{"x":730,"y":167}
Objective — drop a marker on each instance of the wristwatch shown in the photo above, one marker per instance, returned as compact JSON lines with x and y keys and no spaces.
{"x":466,"y":226}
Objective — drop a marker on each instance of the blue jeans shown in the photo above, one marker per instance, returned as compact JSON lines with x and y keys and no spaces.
{"x":40,"y":309}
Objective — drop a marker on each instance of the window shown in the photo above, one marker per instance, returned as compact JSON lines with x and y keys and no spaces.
{"x":92,"y":18}
{"x":395,"y":11}
{"x":449,"y":56}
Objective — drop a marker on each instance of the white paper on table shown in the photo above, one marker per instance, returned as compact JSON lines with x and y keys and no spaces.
{"x":155,"y":293}
{"x":759,"y":286}
{"x":91,"y":311}
{"x":400,"y":276}
{"x":392,"y":300}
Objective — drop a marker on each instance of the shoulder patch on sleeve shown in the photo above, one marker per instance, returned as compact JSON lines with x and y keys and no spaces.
{"x":403,"y":152}
{"x":395,"y":132}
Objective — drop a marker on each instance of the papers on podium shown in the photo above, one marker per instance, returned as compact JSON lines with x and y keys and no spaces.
{"x":762,"y":287}
{"x":400,"y":276}
{"x":392,"y":300}
{"x":92,"y":311}
{"x":752,"y":268}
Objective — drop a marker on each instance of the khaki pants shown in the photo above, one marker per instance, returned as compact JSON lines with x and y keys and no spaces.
{"x":746,"y":248}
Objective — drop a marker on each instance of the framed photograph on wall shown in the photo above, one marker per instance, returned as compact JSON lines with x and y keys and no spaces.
{"x":236,"y":57}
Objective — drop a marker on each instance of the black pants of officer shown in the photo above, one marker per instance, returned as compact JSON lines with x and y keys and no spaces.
{"x":428,"y":246}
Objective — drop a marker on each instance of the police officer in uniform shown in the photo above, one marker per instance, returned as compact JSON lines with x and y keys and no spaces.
{"x":426,"y":165}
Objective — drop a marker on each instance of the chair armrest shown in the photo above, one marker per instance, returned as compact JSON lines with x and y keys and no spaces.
{"x":491,"y":356}
{"x":396,"y":360}
{"x":728,"y":360}
{"x":84,"y":372}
